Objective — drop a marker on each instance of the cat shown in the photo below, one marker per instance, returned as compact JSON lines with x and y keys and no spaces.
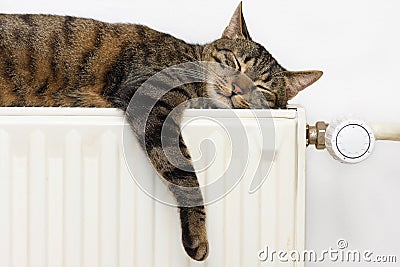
{"x":64,"y":61}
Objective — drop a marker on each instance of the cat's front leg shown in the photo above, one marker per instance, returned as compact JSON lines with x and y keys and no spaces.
{"x":173,"y":163}
{"x":194,"y":235}
{"x":159,"y":134}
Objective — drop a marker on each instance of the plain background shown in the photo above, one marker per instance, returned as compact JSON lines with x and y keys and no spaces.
{"x":355,"y":42}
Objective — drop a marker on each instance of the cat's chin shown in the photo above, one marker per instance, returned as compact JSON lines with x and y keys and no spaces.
{"x":219,"y":100}
{"x":227,"y":102}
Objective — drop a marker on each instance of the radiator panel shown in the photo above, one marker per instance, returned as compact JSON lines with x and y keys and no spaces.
{"x":67,"y":197}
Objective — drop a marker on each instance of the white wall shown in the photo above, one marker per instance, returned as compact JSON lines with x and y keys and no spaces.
{"x":355,"y":42}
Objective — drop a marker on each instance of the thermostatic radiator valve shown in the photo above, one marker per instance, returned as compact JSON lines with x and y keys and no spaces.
{"x":350,"y":141}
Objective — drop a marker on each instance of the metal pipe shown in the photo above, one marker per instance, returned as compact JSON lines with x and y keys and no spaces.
{"x":386,"y":131}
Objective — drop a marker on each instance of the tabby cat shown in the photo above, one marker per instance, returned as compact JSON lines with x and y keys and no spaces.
{"x":64,"y":61}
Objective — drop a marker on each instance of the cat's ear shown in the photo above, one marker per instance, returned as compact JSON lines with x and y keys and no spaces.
{"x":237,"y":26}
{"x":296,"y":81}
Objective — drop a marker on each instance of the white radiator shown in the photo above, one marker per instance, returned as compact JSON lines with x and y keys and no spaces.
{"x":68,"y":199}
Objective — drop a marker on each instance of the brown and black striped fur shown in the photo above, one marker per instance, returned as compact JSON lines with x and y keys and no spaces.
{"x":65,"y":61}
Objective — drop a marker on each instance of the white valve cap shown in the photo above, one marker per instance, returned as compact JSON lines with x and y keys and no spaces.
{"x":349,"y":141}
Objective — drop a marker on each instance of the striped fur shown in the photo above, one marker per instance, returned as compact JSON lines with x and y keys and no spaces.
{"x":65,"y":61}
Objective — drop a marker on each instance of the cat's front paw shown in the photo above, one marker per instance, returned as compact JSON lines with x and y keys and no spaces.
{"x":195,"y":246}
{"x":194,"y":234}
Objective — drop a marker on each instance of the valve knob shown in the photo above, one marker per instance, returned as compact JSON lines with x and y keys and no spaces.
{"x":349,"y":141}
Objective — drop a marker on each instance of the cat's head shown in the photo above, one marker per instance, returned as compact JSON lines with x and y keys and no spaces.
{"x":256,"y":80}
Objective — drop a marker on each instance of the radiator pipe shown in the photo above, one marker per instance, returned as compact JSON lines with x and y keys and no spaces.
{"x":386,"y":131}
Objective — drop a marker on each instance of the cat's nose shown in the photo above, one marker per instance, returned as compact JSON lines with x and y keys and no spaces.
{"x":236,"y":90}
